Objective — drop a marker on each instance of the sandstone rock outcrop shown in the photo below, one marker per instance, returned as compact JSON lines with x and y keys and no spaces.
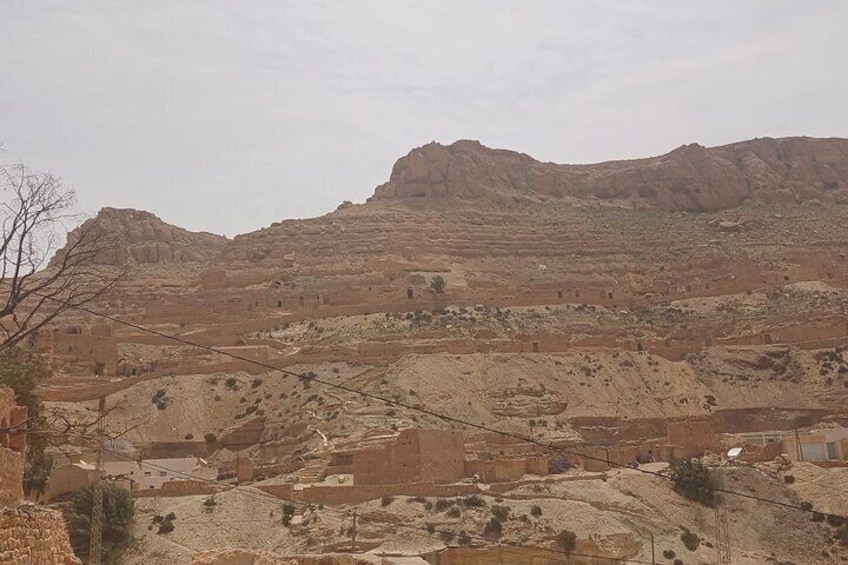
{"x":138,"y":237}
{"x":692,"y":177}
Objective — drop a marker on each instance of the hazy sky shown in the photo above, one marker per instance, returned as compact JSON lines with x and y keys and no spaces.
{"x":228,"y":115}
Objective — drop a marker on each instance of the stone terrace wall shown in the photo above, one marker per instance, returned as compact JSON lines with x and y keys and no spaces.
{"x":358,"y":494}
{"x":179,"y":488}
{"x":36,"y":536}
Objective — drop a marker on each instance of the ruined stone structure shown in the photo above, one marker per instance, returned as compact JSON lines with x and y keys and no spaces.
{"x":12,"y":447}
{"x":29,"y":535}
{"x":691,"y":437}
{"x":416,"y":456}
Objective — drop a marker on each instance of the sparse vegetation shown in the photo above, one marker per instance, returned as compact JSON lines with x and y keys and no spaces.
{"x":501,"y":512}
{"x":117,"y":515}
{"x":690,"y":540}
{"x":307,"y":378}
{"x":692,"y":480}
{"x":288,"y":513}
{"x":443,"y":504}
{"x":536,"y":511}
{"x":160,"y":399}
{"x":21,"y":370}
{"x":567,"y":540}
{"x":493,"y":529}
{"x":438,"y":284}
{"x":473,"y":501}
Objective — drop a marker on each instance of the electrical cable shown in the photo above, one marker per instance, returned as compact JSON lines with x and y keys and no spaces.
{"x":411,"y":407}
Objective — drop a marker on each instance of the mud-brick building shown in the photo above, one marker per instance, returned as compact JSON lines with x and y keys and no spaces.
{"x":416,"y":456}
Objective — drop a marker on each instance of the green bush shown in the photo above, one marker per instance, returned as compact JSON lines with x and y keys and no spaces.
{"x":493,"y":529}
{"x":117,"y":515}
{"x":166,"y":527}
{"x":567,"y":540}
{"x":501,"y":512}
{"x":690,"y":540}
{"x":692,"y":480}
{"x":21,"y":370}
{"x":438,"y":284}
{"x":210,"y":438}
{"x":841,"y":535}
{"x":463,"y":538}
{"x":834,"y":520}
{"x":443,"y":504}
{"x":669,"y":554}
{"x":454,"y":512}
{"x":536,"y":511}
{"x":473,"y":501}
{"x":288,"y":513}
{"x":386,"y":500}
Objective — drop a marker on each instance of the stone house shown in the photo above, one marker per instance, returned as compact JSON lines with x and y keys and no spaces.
{"x":416,"y":456}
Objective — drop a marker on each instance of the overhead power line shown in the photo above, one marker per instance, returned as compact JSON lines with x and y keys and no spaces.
{"x":416,"y":408}
{"x":259,"y":494}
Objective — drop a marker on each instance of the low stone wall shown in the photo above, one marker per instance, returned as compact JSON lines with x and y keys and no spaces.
{"x":36,"y":536}
{"x":357,"y":494}
{"x":179,"y":488}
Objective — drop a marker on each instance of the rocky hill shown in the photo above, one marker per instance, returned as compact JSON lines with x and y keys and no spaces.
{"x":587,"y":306}
{"x":130,"y":236}
{"x":692,"y":177}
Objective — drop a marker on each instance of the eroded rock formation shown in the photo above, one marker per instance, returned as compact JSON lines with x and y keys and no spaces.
{"x":136,"y":237}
{"x":692,"y":177}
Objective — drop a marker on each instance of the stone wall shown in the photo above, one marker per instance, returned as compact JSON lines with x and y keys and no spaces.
{"x":12,"y":446}
{"x":357,"y":494}
{"x":65,"y":480}
{"x":417,"y":456}
{"x":691,"y":437}
{"x":11,"y":474}
{"x":179,"y":488}
{"x":35,"y":536}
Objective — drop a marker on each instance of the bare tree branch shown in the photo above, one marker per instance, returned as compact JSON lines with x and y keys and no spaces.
{"x":35,"y":290}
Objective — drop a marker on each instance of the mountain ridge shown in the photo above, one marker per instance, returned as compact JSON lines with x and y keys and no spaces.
{"x":691,"y":177}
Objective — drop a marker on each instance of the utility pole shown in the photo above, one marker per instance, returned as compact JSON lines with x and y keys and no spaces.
{"x":653,"y":551}
{"x":353,"y":534}
{"x":97,"y":492}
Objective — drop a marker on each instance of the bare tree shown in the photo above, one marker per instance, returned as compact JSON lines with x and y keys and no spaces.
{"x":35,"y":211}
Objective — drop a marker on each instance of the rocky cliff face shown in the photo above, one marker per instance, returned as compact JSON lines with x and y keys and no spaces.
{"x":692,"y":177}
{"x":133,"y":237}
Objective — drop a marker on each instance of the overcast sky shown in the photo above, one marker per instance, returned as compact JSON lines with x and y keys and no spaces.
{"x":228,"y":115}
